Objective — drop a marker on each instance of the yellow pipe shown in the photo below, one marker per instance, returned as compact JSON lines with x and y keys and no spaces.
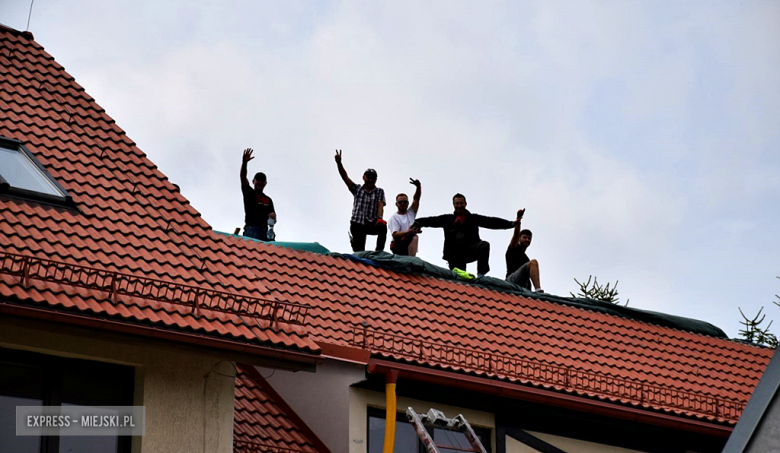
{"x":389,"y":418}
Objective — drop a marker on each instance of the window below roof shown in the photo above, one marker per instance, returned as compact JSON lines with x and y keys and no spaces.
{"x":22,"y":176}
{"x":32,"y":379}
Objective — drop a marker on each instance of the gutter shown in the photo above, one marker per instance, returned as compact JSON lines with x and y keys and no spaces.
{"x":154,"y":332}
{"x":348,"y":354}
{"x":544,"y":396}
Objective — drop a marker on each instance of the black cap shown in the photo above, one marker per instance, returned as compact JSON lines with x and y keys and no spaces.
{"x":371,"y":173}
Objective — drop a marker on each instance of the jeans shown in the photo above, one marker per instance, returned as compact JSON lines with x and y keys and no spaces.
{"x":256,"y":232}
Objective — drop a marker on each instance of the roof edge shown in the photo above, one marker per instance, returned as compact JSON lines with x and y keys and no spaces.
{"x":764,"y":396}
{"x":344,"y":353}
{"x":306,"y":360}
{"x":549,"y":397}
{"x":25,"y":34}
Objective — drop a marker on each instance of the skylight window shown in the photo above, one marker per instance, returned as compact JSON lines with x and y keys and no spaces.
{"x":22,"y":176}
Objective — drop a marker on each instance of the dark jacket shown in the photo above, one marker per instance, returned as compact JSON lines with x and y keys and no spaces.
{"x":467,"y":233}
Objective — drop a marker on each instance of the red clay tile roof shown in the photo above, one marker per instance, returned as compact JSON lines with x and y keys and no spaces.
{"x":152,"y":259}
{"x":531,"y":341}
{"x":263,"y":422}
{"x":132,"y":221}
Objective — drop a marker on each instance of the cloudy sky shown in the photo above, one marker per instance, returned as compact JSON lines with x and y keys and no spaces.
{"x":642,"y":137}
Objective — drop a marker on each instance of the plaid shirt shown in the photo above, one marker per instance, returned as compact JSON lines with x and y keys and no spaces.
{"x":366,"y":205}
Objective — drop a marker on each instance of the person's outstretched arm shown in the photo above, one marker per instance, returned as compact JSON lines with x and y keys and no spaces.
{"x":516,"y":235}
{"x":244,"y":159}
{"x":494,"y":223}
{"x":416,"y":198}
{"x":343,"y":172}
{"x":432,"y":222}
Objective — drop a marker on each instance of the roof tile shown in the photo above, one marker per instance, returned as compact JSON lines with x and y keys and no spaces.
{"x":260,"y":422}
{"x":130,"y":218}
{"x":452,"y":314}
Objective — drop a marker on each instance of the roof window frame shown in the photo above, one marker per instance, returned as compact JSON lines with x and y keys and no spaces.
{"x":17,"y":192}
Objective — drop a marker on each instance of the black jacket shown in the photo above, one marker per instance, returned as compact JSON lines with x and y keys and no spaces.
{"x":467,"y":233}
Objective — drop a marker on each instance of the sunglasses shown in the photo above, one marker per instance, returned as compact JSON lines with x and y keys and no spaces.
{"x":402,"y":202}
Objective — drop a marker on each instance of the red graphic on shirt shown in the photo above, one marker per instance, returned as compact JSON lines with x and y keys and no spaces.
{"x":262,"y":199}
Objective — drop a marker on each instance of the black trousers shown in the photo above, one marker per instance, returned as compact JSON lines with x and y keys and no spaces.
{"x":401,"y":247}
{"x":464,"y":254}
{"x":359,"y":232}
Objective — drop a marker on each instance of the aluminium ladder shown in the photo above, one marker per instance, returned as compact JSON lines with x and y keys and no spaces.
{"x":436,"y":419}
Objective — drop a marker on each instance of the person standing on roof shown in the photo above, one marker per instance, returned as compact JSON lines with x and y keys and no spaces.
{"x":521,"y":270}
{"x":462,"y":244}
{"x":367,"y":209}
{"x":402,"y":226}
{"x":258,"y":207}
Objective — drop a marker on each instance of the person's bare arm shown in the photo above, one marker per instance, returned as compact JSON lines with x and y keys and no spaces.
{"x":417,"y":193}
{"x":398,"y":235}
{"x":343,"y":172}
{"x":244,"y":159}
{"x":380,"y":209}
{"x":516,"y":235}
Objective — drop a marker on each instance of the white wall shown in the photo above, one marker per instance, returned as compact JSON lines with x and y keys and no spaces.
{"x":338,"y":413}
{"x":321,"y":399}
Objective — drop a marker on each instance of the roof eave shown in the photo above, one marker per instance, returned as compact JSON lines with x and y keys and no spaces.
{"x":281,"y":358}
{"x":544,"y":396}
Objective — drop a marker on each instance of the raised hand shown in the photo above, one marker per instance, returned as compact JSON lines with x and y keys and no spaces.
{"x":414,"y":182}
{"x":247,"y":155}
{"x":338,"y":156}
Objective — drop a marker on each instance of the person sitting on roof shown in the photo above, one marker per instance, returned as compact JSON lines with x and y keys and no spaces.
{"x":402,"y":226}
{"x":521,"y":270}
{"x":367,"y":209}
{"x":462,"y":244}
{"x":258,"y":207}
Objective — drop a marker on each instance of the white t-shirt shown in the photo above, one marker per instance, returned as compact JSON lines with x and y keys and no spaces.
{"x":401,"y":222}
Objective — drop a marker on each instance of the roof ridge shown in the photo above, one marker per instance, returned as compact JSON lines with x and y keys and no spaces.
{"x":26,"y":34}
